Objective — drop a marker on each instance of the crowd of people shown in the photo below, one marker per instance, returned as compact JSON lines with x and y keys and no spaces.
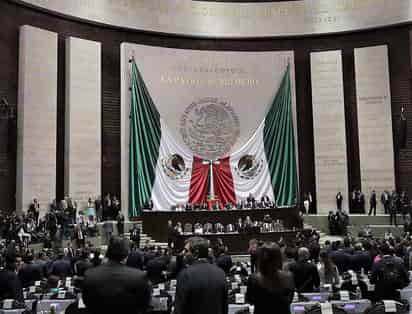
{"x":246,"y":225}
{"x":338,"y":222}
{"x":62,"y":221}
{"x":121,"y":279}
{"x":393,"y":203}
{"x":265,"y":202}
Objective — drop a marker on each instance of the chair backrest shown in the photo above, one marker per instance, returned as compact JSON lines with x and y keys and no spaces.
{"x":188,"y":228}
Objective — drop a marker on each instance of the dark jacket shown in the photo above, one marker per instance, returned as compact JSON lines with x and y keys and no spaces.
{"x":30,"y":273}
{"x":224,"y":262}
{"x":341,"y":259}
{"x":10,"y":287}
{"x":81,"y":266}
{"x":115,"y":288}
{"x":61,"y":268}
{"x":389,"y":275}
{"x":278,"y":295}
{"x":359,"y":260}
{"x":306,"y":276}
{"x":201,"y":289}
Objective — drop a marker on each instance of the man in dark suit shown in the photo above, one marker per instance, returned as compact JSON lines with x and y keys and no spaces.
{"x":29,"y":273}
{"x":340,"y":257}
{"x":135,"y":235}
{"x":339,"y":200}
{"x":83,"y":263}
{"x":251,"y":202}
{"x":305,"y":274}
{"x":114,"y":287}
{"x":389,"y":276}
{"x":10,"y":287}
{"x":61,"y":267}
{"x":201,"y":288}
{"x":372,"y":203}
{"x":360,"y":259}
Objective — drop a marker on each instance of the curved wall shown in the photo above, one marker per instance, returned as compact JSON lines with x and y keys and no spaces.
{"x":229,"y":20}
{"x":13,"y":16}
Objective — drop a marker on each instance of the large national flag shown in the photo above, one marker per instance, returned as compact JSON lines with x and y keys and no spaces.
{"x":266,"y":164}
{"x":167,"y":173}
{"x":161,"y":170}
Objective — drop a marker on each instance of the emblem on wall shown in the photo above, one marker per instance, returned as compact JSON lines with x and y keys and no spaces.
{"x":210,"y":128}
{"x":248,"y":167}
{"x":174,"y":167}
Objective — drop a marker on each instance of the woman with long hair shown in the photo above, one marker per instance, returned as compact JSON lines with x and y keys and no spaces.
{"x":270,"y":287}
{"x":328,"y":272}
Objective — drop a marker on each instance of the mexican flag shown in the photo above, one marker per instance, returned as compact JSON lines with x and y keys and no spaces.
{"x":168,"y":173}
{"x":160,"y":169}
{"x":266,"y":164}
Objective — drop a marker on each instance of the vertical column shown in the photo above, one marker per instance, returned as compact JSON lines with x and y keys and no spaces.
{"x":83,"y":120}
{"x":125,"y":126}
{"x":37,"y":114}
{"x":374,"y":120}
{"x":329,"y":129}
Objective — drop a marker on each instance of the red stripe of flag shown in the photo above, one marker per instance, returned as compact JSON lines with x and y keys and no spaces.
{"x":223,"y":182}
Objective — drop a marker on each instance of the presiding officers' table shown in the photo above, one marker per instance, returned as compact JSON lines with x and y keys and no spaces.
{"x":155,"y":221}
{"x":238,"y":243}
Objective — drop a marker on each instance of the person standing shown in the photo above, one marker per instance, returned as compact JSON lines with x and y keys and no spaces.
{"x":120,"y":224}
{"x":372,"y":203}
{"x":389,"y":275}
{"x":270,"y":287}
{"x":305,"y":274}
{"x":306,"y":203}
{"x":171,"y":235}
{"x":98,"y":206}
{"x":328,"y":272}
{"x":135,"y":235}
{"x":10,"y":286}
{"x":201,"y":287}
{"x":114,"y":287}
{"x":385,"y":200}
{"x":107,"y":207}
{"x":310,"y":203}
{"x":339,"y":200}
{"x":393,"y":208}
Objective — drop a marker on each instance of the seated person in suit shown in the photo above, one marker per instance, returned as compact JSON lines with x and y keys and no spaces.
{"x":248,"y":224}
{"x":241,"y":205}
{"x":189,"y":207}
{"x":265,"y":201}
{"x":208,"y":228}
{"x":230,"y":228}
{"x":188,"y":228}
{"x":198,"y":229}
{"x":239,"y":226}
{"x":179,"y":229}
{"x":219,"y":228}
{"x":229,"y":206}
{"x":251,"y":202}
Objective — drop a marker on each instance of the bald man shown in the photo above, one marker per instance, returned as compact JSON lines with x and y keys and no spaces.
{"x":305,"y":273}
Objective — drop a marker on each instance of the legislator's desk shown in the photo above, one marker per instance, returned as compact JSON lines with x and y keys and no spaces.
{"x":155,"y":222}
{"x":238,"y":243}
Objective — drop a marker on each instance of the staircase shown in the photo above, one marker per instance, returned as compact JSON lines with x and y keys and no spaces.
{"x":144,"y":238}
{"x":323,"y":236}
{"x":379,"y":224}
